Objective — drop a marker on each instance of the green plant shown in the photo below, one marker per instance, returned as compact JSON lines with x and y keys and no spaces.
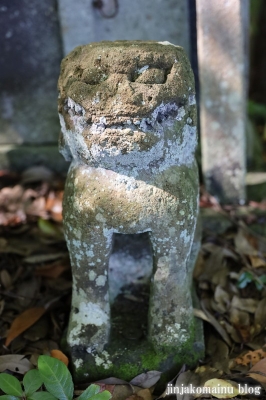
{"x":57,"y":380}
{"x":248,"y":277}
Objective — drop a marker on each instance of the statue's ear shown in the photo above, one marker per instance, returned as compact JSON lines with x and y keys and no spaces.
{"x":64,"y":147}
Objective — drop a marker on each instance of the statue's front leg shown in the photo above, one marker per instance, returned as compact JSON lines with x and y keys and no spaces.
{"x":170,"y":314}
{"x":89,"y":245}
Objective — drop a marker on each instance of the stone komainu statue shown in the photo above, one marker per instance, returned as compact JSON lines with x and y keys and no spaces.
{"x":128,"y":119}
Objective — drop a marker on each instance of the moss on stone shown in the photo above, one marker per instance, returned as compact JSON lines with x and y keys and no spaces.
{"x":130,"y":358}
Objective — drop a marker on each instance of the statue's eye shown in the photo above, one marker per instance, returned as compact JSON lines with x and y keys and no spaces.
{"x":94,"y":76}
{"x":150,"y":75}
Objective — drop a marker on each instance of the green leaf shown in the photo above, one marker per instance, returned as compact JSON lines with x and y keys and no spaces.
{"x":32,"y":381}
{"x":244,"y":279}
{"x":41,"y":396}
{"x":56,"y":377}
{"x":8,"y":397}
{"x":10,"y":385}
{"x":105,"y":395}
{"x":89,"y":392}
{"x":262,"y":279}
{"x":259,"y":286}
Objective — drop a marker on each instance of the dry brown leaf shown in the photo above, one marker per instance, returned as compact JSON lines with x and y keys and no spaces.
{"x":239,"y":318}
{"x":119,"y":392}
{"x":5,"y":278}
{"x":258,"y":371}
{"x":147,"y":379}
{"x":53,"y":270}
{"x":257,"y":261}
{"x":248,"y":305}
{"x":216,"y":325}
{"x":184,"y":380}
{"x":205,"y":372}
{"x":144,"y":394}
{"x":54,"y":205}
{"x":222,"y":389}
{"x":243,"y":245}
{"x":40,"y":258}
{"x":231,"y":331}
{"x":15,"y":363}
{"x":251,"y":357}
{"x":260,"y":314}
{"x":60,"y":356}
{"x":222,"y":299}
{"x":23,"y":322}
{"x":219,"y":353}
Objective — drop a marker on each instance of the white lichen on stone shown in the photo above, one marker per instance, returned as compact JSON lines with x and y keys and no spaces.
{"x":92,"y":275}
{"x":78,"y":362}
{"x":101,"y":280}
{"x":104,"y":360}
{"x":166,"y":43}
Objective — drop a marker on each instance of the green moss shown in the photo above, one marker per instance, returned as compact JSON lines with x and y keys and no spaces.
{"x":131,"y":358}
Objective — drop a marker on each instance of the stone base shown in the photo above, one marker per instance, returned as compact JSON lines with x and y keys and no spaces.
{"x":125,"y":358}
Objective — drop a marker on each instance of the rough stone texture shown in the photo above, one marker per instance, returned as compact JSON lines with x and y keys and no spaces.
{"x":222,"y":55}
{"x":29,"y":69}
{"x":128,"y":119}
{"x":81,"y":23}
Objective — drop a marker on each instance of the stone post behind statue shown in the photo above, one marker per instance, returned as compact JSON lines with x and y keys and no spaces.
{"x":128,"y":119}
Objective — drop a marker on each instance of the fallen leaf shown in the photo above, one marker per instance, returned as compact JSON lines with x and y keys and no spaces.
{"x":5,"y":278}
{"x":222,"y":299}
{"x":231,"y":331}
{"x":23,"y":322}
{"x":258,"y":371}
{"x":243,"y":245}
{"x":53,"y":270}
{"x":251,"y":357}
{"x":60,"y":356}
{"x":143,"y":394}
{"x":216,"y":325}
{"x":219,"y":353}
{"x":120,"y":391}
{"x":184,"y":380}
{"x":221,"y":389}
{"x":15,"y":363}
{"x":248,"y":305}
{"x":257,"y":261}
{"x":147,"y":379}
{"x":40,"y":258}
{"x":260,"y":314}
{"x":205,"y":372}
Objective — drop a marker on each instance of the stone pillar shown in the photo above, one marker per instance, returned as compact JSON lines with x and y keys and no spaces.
{"x":81,"y":23}
{"x":222,"y":29}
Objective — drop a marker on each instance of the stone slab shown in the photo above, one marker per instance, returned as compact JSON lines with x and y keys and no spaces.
{"x":29,"y":69}
{"x":222,"y":29}
{"x":81,"y":23}
{"x":18,"y":158}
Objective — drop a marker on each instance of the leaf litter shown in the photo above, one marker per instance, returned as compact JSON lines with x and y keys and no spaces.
{"x":35,"y":292}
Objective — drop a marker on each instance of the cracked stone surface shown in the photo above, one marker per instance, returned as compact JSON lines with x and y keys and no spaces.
{"x":128,"y":121}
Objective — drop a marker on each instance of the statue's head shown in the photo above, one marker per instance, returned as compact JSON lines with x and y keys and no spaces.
{"x":117,"y":99}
